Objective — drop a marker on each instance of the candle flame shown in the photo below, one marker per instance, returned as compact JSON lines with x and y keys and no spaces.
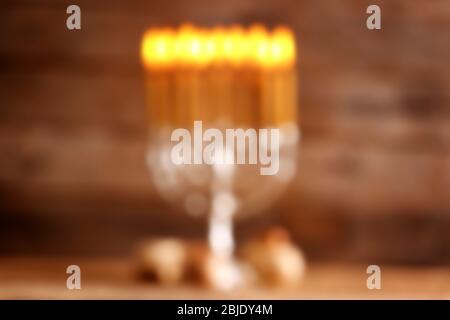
{"x":158,"y":48}
{"x":190,"y":46}
{"x":282,"y":46}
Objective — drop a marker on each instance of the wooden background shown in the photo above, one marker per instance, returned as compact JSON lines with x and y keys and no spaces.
{"x":374,"y":169}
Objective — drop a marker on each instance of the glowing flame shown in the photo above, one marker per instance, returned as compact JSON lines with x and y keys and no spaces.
{"x":158,"y":48}
{"x":258,"y":39}
{"x":282,"y":46}
{"x":194,"y":47}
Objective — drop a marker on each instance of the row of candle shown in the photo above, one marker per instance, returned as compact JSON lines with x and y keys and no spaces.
{"x":192,"y":46}
{"x":223,"y":76}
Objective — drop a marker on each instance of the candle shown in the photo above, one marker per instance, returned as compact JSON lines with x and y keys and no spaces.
{"x":279,"y":80}
{"x":157,"y":52}
{"x":245,"y":93}
{"x":188,"y":92}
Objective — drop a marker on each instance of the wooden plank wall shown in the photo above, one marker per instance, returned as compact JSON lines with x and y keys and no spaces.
{"x":374,"y":167}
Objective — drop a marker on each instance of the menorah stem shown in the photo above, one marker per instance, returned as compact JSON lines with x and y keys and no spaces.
{"x":221,"y":237}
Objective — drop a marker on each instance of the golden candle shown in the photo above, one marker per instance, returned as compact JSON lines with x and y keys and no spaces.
{"x":279,"y":79}
{"x":157,"y":52}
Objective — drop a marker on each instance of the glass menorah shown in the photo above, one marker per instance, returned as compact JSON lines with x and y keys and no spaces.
{"x":221,"y":78}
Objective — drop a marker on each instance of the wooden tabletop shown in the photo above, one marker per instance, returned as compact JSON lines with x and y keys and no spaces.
{"x":45,"y":278}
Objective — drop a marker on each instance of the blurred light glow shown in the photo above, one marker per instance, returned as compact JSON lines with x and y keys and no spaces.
{"x":195,"y":47}
{"x":158,"y":48}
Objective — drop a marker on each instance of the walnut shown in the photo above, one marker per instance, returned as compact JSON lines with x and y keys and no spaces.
{"x":163,"y":259}
{"x":275,"y":259}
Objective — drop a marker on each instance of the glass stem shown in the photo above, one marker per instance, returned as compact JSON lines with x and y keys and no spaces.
{"x":223,"y":207}
{"x":220,"y":236}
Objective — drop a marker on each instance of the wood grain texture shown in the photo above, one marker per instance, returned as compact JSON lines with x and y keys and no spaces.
{"x":25,"y":278}
{"x":374,"y":109}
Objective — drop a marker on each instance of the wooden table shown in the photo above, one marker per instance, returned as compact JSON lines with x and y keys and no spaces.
{"x":45,"y":278}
